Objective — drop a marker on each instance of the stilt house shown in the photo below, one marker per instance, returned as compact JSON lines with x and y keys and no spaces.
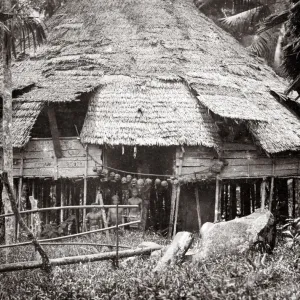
{"x":152,"y":89}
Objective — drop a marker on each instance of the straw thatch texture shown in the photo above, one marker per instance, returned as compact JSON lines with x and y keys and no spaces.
{"x":158,"y":39}
{"x":137,"y":111}
{"x":24,"y":117}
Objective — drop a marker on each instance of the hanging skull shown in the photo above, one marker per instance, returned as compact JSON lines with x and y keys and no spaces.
{"x":124,"y":180}
{"x":133,"y":181}
{"x":157,"y":181}
{"x":148,"y":181}
{"x":112,"y":174}
{"x":176,"y":181}
{"x":104,"y":172}
{"x":117,"y":177}
{"x":128,"y":178}
{"x":140,"y":182}
{"x":164,"y":184}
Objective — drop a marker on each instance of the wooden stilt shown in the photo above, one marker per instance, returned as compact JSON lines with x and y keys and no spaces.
{"x":225,"y":201}
{"x":271,"y":194}
{"x":62,"y":199}
{"x":176,"y":209}
{"x":233,"y":200}
{"x":172,"y":210}
{"x":198,"y":207}
{"x":20,"y":192}
{"x":263,"y":194}
{"x":175,"y":192}
{"x":294,"y":197}
{"x":85,"y":188}
{"x":217,"y":199}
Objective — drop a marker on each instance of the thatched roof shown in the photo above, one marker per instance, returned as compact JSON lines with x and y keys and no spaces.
{"x":145,"y":111}
{"x":24,"y":117}
{"x":157,"y":41}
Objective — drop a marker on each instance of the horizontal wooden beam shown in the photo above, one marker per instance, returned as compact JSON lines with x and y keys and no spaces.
{"x":68,"y":207}
{"x":71,"y":235}
{"x":77,"y":259}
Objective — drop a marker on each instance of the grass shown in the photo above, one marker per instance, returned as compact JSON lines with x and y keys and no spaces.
{"x":231,"y":277}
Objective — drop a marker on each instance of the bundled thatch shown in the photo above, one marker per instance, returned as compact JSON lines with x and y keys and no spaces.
{"x":145,"y":111}
{"x":24,"y":117}
{"x":152,"y":40}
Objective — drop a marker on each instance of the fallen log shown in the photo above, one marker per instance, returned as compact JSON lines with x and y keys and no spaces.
{"x":175,"y":252}
{"x":77,"y":259}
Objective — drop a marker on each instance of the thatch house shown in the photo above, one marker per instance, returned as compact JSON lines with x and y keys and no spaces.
{"x":152,"y":87}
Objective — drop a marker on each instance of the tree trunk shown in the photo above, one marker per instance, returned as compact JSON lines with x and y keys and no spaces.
{"x":7,"y":126}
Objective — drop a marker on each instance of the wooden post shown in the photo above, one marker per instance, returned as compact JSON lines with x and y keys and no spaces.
{"x":62,"y":199}
{"x":20,"y":191}
{"x":217,"y":199}
{"x":85,"y":187}
{"x":198,"y":207}
{"x":233,"y":199}
{"x":176,"y":209}
{"x":117,"y":236}
{"x":172,"y":210}
{"x":226,"y":201}
{"x":54,"y":132}
{"x":176,"y":172}
{"x":263,"y":194}
{"x":271,"y":194}
{"x":294,"y":198}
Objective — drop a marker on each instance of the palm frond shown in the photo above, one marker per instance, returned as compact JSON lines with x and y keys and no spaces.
{"x":246,"y":19}
{"x":273,"y":21}
{"x":263,"y":44}
{"x":25,"y":30}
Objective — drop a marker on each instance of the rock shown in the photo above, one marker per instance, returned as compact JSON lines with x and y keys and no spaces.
{"x":237,"y":236}
{"x":205,"y":228}
{"x":175,"y":252}
{"x":148,"y":244}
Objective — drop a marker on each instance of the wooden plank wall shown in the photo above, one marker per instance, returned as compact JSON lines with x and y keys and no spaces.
{"x":39,"y":159}
{"x":244,"y":161}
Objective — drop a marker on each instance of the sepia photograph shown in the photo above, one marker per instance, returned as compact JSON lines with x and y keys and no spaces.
{"x":149,"y":149}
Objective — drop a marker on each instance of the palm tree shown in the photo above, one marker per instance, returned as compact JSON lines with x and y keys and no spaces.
{"x":15,"y":25}
{"x":242,"y":17}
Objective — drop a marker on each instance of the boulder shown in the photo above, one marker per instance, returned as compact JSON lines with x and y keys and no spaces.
{"x":236,"y":236}
{"x":176,"y":251}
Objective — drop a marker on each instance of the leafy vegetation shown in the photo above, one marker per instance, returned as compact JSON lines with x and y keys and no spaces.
{"x":276,"y":276}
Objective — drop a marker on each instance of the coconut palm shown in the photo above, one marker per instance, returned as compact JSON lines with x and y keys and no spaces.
{"x":241,"y":19}
{"x":16,"y":28}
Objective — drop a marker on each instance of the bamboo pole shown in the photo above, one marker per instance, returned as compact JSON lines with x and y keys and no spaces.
{"x":62,"y":200}
{"x":83,"y":244}
{"x":68,"y":207}
{"x":71,"y":235}
{"x":78,"y":259}
{"x":198,"y":206}
{"x":45,"y":260}
{"x":217,"y":199}
{"x":20,"y":192}
{"x":117,"y":237}
{"x":263,"y":194}
{"x":271,"y":193}
{"x":85,"y":187}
